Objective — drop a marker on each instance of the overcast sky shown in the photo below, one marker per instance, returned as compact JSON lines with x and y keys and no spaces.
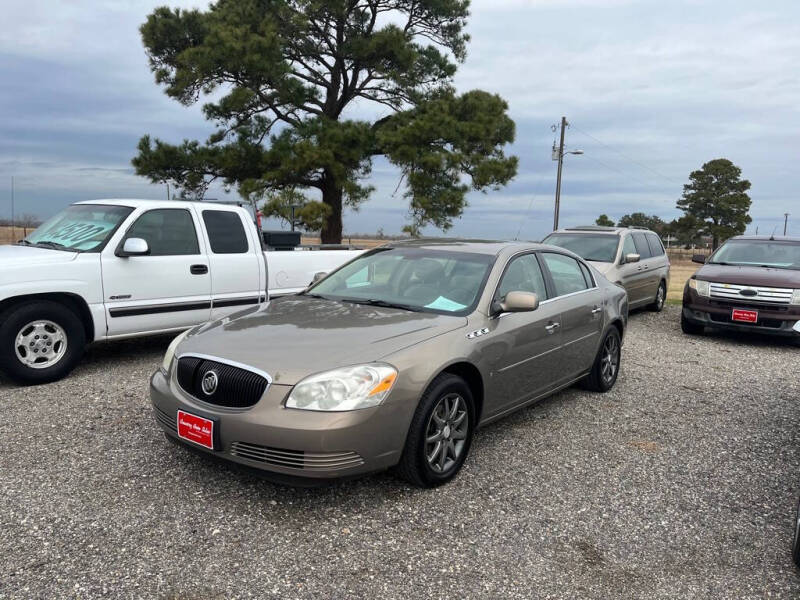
{"x":652,"y":90}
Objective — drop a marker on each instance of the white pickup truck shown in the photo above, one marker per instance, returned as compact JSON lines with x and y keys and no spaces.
{"x":112,"y":269}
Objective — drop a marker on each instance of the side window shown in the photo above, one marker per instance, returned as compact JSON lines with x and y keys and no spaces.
{"x":642,"y":247}
{"x":566,"y":273}
{"x":225,"y":232}
{"x":587,"y":275}
{"x":523,"y":274}
{"x":656,"y":248}
{"x":167,"y":231}
{"x":628,"y":247}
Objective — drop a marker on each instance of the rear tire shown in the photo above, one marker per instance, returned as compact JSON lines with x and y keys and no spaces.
{"x":660,"y":299}
{"x":690,"y":328}
{"x":440,"y":434}
{"x":40,"y":342}
{"x":605,"y":369}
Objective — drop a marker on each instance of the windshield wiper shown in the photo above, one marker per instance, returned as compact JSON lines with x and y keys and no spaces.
{"x":382,"y":303}
{"x":23,"y":242}
{"x":56,"y":246}
{"x":313,"y":295}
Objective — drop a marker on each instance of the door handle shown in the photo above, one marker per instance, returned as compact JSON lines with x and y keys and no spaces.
{"x":198,"y":269}
{"x":596,"y":310}
{"x":552,"y":327}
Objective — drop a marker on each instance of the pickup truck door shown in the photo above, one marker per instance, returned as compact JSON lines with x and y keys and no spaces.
{"x":236,"y":261}
{"x":170,"y":288}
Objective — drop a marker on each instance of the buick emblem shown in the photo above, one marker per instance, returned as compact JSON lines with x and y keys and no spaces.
{"x":749,"y":292}
{"x":209,"y":383}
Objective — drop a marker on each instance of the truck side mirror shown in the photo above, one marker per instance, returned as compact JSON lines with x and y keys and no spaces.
{"x":318,"y":277}
{"x":134,"y":247}
{"x":699,"y":258}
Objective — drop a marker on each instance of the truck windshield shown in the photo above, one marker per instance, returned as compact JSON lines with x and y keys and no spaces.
{"x":598,"y":247}
{"x":79,"y":228}
{"x":777,"y":254}
{"x":414,"y":279}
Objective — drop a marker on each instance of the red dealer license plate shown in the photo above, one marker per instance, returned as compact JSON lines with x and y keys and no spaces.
{"x":744,"y":316}
{"x":196,"y":429}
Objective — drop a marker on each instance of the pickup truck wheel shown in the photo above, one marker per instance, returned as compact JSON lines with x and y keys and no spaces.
{"x":40,"y":342}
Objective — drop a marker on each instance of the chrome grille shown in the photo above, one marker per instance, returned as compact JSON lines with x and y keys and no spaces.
{"x":297,"y":459}
{"x":167,"y":421}
{"x":235,"y":388}
{"x":763,"y":295}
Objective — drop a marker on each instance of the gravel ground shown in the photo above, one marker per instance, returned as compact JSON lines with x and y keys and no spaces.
{"x":680,"y":483}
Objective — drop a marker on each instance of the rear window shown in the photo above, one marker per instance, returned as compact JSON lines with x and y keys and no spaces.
{"x":225,"y":232}
{"x":642,"y":247}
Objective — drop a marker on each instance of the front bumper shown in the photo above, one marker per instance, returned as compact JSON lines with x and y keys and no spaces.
{"x":288,"y":442}
{"x":772,"y":320}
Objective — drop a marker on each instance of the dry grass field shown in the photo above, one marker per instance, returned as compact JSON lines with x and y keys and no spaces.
{"x":6,"y":234}
{"x":679,"y":273}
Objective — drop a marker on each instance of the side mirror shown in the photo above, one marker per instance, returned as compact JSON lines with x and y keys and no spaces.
{"x":134,"y":247}
{"x":631,"y":258}
{"x":318,"y":277}
{"x":699,"y":258}
{"x":517,"y":302}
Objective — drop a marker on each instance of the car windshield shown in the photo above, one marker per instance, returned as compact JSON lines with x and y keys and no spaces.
{"x":415,"y":279}
{"x":598,"y":247}
{"x":759,"y":253}
{"x":78,"y":228}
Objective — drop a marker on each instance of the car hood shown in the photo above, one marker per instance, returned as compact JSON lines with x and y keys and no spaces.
{"x":782,"y":278}
{"x":27,"y":256}
{"x":603,"y":267}
{"x":295,"y":336}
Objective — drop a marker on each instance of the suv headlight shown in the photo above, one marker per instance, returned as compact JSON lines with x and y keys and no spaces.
{"x":796,"y":297}
{"x":348,"y":388}
{"x":701,"y":287}
{"x":166,"y":364}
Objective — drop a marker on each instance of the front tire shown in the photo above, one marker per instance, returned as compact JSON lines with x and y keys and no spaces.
{"x":690,"y":328}
{"x":605,"y":369}
{"x":40,"y":342}
{"x":440,"y":435}
{"x":660,"y":299}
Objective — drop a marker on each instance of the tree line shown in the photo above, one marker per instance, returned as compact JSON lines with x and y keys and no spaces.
{"x":715,"y":204}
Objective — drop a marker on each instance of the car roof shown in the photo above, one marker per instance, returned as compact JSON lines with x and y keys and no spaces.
{"x":766,"y":238}
{"x":138,"y":202}
{"x":490,"y":247}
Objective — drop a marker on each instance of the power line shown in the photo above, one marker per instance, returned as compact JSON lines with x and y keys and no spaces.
{"x":530,"y":205}
{"x":625,"y":156}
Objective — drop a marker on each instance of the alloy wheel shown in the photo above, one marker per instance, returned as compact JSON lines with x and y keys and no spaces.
{"x":609,"y":363}
{"x":40,"y":344}
{"x":660,"y":297}
{"x":446,"y":433}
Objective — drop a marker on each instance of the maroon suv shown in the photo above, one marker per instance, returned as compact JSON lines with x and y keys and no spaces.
{"x":748,"y":284}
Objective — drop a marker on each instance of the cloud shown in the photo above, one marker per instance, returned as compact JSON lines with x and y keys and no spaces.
{"x":652,"y":90}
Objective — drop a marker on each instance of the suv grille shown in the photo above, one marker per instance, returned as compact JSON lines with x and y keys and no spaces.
{"x":235,"y":387}
{"x":763,"y":295}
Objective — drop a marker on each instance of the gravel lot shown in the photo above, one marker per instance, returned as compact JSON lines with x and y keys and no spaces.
{"x":679,"y":483}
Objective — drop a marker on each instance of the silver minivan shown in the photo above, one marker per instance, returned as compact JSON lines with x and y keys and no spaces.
{"x":628,"y":256}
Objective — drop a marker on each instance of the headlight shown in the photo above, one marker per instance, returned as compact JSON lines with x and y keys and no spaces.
{"x":701,"y":287}
{"x":796,"y":297}
{"x":167,"y":362}
{"x":349,"y":388}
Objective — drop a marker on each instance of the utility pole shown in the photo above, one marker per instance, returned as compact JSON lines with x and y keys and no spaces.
{"x":785,"y":223}
{"x":558,"y":177}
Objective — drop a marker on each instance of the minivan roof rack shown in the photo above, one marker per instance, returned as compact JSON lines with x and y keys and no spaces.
{"x":591,"y":228}
{"x":638,"y":227}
